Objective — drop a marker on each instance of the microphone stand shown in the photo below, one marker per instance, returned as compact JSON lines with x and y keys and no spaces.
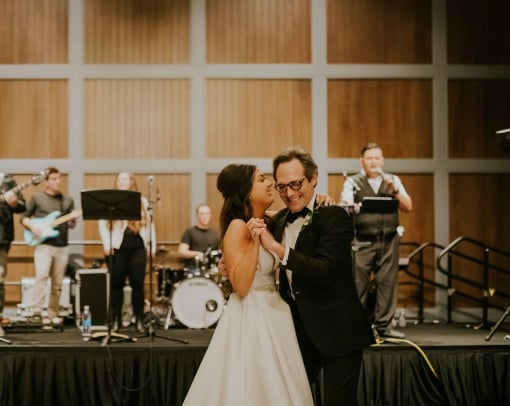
{"x":5,"y":340}
{"x":150,"y":329}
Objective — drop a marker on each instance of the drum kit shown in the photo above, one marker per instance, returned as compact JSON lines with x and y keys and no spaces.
{"x":193,"y":297}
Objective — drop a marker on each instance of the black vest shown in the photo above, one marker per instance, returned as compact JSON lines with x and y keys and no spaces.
{"x":372,"y":224}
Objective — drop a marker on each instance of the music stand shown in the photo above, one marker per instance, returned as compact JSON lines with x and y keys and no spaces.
{"x":381,"y":205}
{"x":111,"y":204}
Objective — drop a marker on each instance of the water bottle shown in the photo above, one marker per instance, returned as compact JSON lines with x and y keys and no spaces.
{"x":86,"y":322}
{"x":402,"y":319}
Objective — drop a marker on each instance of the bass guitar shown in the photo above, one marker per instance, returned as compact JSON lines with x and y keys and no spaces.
{"x":47,"y":225}
{"x":34,"y":180}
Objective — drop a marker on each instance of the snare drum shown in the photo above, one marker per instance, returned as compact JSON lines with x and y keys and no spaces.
{"x":212,"y":257}
{"x":167,"y":278}
{"x":197,"y":302}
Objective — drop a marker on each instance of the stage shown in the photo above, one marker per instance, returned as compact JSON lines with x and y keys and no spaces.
{"x":451,"y":365}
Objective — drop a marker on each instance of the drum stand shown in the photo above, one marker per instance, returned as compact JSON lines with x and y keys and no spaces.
{"x":150,"y":330}
{"x":112,"y":205}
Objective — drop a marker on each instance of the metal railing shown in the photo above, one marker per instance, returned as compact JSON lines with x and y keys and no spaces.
{"x":417,"y":256}
{"x":488,"y":267}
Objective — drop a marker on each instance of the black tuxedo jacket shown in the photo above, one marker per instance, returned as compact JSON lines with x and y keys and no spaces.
{"x":325,"y":296}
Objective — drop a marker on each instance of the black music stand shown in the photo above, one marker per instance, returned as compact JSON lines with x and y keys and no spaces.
{"x":381,"y":205}
{"x":111,"y":204}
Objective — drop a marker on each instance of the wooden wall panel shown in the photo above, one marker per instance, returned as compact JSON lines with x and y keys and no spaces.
{"x":479,"y":210}
{"x":479,"y":207}
{"x":257,"y":118}
{"x":258,"y":31}
{"x":418,"y":228}
{"x":478,"y":31}
{"x":137,"y":118}
{"x":366,"y":31}
{"x":476,"y":110}
{"x":134,"y":31}
{"x":33,"y":31}
{"x":395,"y":113}
{"x":33,"y":118}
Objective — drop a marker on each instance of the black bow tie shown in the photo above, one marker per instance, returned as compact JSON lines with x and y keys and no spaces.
{"x":291,"y":217}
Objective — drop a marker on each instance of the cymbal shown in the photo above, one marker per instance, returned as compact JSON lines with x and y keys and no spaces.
{"x":161,"y":249}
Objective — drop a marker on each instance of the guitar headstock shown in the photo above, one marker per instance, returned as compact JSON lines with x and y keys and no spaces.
{"x":36,"y":179}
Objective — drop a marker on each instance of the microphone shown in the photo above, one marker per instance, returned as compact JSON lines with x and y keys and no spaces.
{"x":150,"y":179}
{"x":380,"y":171}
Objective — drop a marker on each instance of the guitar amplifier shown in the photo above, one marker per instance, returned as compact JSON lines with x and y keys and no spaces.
{"x":93,"y":289}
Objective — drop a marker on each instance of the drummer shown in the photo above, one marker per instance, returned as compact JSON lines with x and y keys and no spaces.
{"x":199,"y":239}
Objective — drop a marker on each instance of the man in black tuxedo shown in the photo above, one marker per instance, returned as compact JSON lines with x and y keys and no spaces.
{"x":316,"y":279}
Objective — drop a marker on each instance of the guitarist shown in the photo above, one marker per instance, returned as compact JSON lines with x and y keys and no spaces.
{"x":10,"y":203}
{"x":52,"y":254}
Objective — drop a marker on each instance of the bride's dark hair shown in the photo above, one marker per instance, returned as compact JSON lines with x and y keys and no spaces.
{"x":234,"y":183}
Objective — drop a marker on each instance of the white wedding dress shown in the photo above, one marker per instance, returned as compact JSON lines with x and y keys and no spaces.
{"x":253,"y":358}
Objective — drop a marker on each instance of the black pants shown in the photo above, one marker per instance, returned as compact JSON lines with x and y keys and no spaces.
{"x":340,"y":374}
{"x":131,"y":263}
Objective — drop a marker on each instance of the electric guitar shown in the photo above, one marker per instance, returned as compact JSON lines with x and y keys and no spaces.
{"x":34,"y":180}
{"x":47,"y":225}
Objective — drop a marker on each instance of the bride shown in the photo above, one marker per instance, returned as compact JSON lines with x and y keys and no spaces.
{"x":253,"y":357}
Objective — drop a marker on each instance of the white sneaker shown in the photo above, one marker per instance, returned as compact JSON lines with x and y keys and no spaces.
{"x":57,"y":321}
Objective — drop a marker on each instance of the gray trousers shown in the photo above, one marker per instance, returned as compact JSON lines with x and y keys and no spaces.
{"x":378,"y":263}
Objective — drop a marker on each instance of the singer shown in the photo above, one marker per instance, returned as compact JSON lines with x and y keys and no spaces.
{"x":131,"y":242}
{"x":377,"y":258}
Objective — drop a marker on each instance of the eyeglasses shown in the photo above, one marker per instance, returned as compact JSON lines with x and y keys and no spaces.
{"x":296,"y":185}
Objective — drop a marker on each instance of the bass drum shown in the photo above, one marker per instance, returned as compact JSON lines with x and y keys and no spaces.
{"x":197,"y":302}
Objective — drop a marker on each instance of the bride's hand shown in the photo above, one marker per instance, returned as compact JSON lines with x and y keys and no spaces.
{"x":256,"y":227}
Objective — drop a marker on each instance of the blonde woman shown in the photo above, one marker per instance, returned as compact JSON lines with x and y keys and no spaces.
{"x":130,"y":241}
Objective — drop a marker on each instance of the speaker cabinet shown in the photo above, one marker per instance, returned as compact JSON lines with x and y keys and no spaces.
{"x":93,"y":288}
